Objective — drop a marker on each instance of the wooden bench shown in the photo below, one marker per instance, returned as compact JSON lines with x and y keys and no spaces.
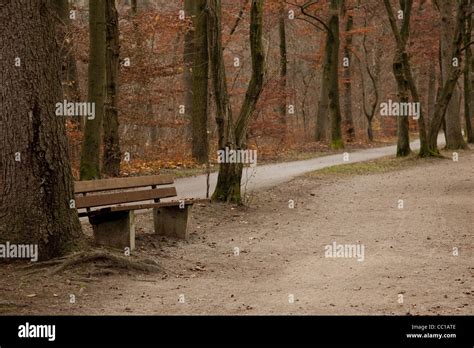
{"x":113,"y":217}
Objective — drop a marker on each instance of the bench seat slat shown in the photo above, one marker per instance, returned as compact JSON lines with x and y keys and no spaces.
{"x":124,"y":197}
{"x":158,"y":205}
{"x":121,"y":183}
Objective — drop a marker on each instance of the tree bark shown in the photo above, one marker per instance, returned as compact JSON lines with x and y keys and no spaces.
{"x":188,"y":59}
{"x":374,"y":78}
{"x":454,"y":138}
{"x":348,"y":125}
{"x":424,"y":150}
{"x":471,"y":63}
{"x":399,"y":71}
{"x":431,"y":93}
{"x":36,"y":183}
{"x":69,"y":76}
{"x":449,"y":83}
{"x":230,"y":174}
{"x":111,"y":141}
{"x":200,"y":77}
{"x":223,"y":117}
{"x":283,"y":64}
{"x":403,"y":142}
{"x":322,"y":116}
{"x":467,"y":77}
{"x":90,"y":156}
{"x":333,"y":55}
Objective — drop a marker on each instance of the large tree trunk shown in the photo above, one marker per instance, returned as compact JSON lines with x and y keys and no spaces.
{"x":200,"y":76}
{"x":36,"y":183}
{"x":454,"y":136}
{"x":348,"y":125}
{"x":90,"y":156}
{"x":230,"y":174}
{"x":112,"y":155}
{"x":333,"y":54}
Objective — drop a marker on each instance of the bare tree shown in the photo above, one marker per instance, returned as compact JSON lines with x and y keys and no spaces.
{"x":330,"y":82}
{"x":233,"y":134}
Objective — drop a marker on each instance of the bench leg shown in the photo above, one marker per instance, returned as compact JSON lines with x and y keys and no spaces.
{"x":172,"y":221}
{"x":114,"y":229}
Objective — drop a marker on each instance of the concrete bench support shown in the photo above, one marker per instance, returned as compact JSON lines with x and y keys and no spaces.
{"x":114,"y":229}
{"x":172,"y":221}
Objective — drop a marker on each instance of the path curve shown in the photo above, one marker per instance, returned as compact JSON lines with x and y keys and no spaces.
{"x":270,"y":175}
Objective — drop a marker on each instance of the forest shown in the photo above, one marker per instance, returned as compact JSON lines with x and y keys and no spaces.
{"x":151,"y":150}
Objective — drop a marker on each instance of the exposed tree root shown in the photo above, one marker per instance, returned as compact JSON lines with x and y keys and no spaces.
{"x":43,"y":264}
{"x":430,"y":154}
{"x":116,"y":261}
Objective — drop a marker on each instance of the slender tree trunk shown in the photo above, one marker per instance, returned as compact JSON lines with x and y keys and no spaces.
{"x":471,"y":63}
{"x":374,"y":78}
{"x":333,"y":53}
{"x":134,"y":7}
{"x":36,"y":183}
{"x":69,"y":76}
{"x":440,"y":88}
{"x":431,"y":93}
{"x":224,"y":119}
{"x":467,"y":77}
{"x":323,"y":104}
{"x":90,"y":156}
{"x":370,"y":131}
{"x":230,"y":174}
{"x":348,"y":125}
{"x":188,"y":59}
{"x":403,"y":142}
{"x":283,"y":64}
{"x":400,"y":70}
{"x":449,"y":83}
{"x":454,"y":136}
{"x":200,"y":76}
{"x":112,"y":154}
{"x":424,"y":149}
{"x":406,"y":82}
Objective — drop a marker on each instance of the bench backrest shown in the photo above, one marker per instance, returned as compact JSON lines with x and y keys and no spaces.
{"x":82,"y":188}
{"x":121,"y":183}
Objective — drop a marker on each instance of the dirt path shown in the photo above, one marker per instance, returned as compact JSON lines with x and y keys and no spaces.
{"x":407,"y":252}
{"x":269,"y":175}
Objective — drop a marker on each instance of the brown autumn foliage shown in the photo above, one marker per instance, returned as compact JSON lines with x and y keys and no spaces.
{"x":154,"y":130}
